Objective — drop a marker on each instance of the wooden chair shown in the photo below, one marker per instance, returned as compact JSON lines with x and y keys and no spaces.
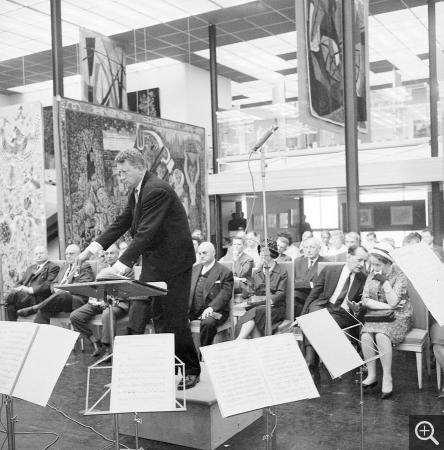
{"x":418,"y":339}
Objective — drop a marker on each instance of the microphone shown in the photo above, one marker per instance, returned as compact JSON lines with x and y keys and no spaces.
{"x":264,"y":137}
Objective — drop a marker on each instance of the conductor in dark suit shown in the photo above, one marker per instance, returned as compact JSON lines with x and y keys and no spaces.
{"x":335,"y":287}
{"x":306,"y":272}
{"x":34,"y":286}
{"x":158,"y":224}
{"x":60,"y":300}
{"x":211,"y":291}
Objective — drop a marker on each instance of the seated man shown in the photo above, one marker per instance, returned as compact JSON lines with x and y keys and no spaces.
{"x":81,"y":316}
{"x":62,"y":301}
{"x":243,"y":264}
{"x":306,"y":272}
{"x":211,"y":291}
{"x":428,"y":239}
{"x":34,"y":286}
{"x":336,"y":287}
{"x":282,"y":244}
{"x":253,"y":322}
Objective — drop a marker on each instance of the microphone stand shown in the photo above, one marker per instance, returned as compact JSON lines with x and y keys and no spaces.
{"x":270,"y":437}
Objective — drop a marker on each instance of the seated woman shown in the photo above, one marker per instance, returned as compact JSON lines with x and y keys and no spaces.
{"x":253,"y":322}
{"x":385,"y":289}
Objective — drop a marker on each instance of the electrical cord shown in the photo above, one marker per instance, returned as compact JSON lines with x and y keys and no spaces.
{"x":82,"y":425}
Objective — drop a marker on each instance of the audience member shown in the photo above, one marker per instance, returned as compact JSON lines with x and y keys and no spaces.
{"x":336,"y":246}
{"x":60,"y":300}
{"x":410,"y":239}
{"x":233,"y":224}
{"x":253,"y":322}
{"x":281,"y":247}
{"x":123,"y":246}
{"x":306,"y":272}
{"x":304,"y":226}
{"x":306,"y":235}
{"x":243,"y":264}
{"x":385,"y":289}
{"x":325,"y":239}
{"x":211,"y":291}
{"x":292,"y":251}
{"x":242,"y":221}
{"x":336,"y":289}
{"x":389,"y":240}
{"x":428,"y":238}
{"x":352,"y":238}
{"x":35,"y":284}
{"x":81,"y":316}
{"x":196,"y":244}
{"x":371,"y":240}
{"x":198,"y":234}
{"x":251,"y":248}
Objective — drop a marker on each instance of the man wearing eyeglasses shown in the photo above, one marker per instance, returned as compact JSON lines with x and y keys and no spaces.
{"x":211,"y":290}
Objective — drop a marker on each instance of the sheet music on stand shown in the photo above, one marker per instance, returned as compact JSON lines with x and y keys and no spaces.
{"x":251,"y":374}
{"x":330,"y":342}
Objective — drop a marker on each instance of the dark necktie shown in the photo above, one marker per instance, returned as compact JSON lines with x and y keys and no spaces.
{"x":65,"y":277}
{"x":342,"y":294}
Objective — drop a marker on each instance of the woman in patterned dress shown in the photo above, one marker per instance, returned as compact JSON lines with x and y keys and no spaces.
{"x":385,"y":289}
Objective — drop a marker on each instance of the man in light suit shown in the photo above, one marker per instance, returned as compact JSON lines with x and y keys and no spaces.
{"x":306,"y":272}
{"x":158,"y":223}
{"x":211,"y":291}
{"x":243,"y":264}
{"x":335,"y":287}
{"x":34,"y":286}
{"x":81,"y":316}
{"x":60,"y":300}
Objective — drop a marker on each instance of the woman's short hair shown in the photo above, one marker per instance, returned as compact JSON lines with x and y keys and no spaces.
{"x":337,"y":233}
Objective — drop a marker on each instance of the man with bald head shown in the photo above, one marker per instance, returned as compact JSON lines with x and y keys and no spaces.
{"x":81,"y":316}
{"x":34,"y":286}
{"x":211,"y":290}
{"x":60,"y":300}
{"x":306,"y":272}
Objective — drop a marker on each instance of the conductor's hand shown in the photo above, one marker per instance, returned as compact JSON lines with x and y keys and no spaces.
{"x":207,"y":313}
{"x":84,"y":256}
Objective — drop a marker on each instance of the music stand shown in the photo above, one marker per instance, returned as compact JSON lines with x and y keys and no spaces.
{"x":130,"y":290}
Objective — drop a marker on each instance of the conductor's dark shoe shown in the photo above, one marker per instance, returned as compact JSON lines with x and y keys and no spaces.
{"x":25,"y":312}
{"x":190,"y":382}
{"x":315,"y":374}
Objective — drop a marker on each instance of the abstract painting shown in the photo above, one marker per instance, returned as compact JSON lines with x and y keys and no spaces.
{"x":93,"y":194}
{"x":22,"y":199}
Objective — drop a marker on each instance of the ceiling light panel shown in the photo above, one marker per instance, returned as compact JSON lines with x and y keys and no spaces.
{"x":86,"y":4}
{"x":169,"y":12}
{"x":26,"y":15}
{"x":136,"y":21}
{"x":31,"y":32}
{"x":110,"y":27}
{"x":7,"y":6}
{"x":11,"y":39}
{"x":84,"y":19}
{"x":8,"y":23}
{"x":112,"y":11}
{"x":194,"y":7}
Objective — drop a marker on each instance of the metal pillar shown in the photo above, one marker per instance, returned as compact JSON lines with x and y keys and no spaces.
{"x":350,"y":114}
{"x":57,"y":49}
{"x":215,"y":141}
{"x":437,"y":198}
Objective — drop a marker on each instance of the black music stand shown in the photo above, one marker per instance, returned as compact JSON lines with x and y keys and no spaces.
{"x":131,"y":290}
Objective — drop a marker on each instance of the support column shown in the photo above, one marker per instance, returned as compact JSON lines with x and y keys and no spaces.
{"x":215,"y":141}
{"x":57,"y":48}
{"x":437,"y":198}
{"x":350,"y":115}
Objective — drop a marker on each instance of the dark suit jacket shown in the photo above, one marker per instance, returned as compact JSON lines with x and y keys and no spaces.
{"x":243,"y":266}
{"x":303,"y":276}
{"x":159,"y":228}
{"x":326,"y":285}
{"x":218,"y":287}
{"x":439,"y":252}
{"x":84,"y":275}
{"x":41,"y":281}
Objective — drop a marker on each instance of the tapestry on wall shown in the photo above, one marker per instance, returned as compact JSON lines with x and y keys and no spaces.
{"x":92,"y":136}
{"x":145,"y":102}
{"x":320,"y":63}
{"x":103,"y":70}
{"x":22,"y":199}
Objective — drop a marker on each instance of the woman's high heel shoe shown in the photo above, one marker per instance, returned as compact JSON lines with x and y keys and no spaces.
{"x":386,"y":395}
{"x":371,"y":385}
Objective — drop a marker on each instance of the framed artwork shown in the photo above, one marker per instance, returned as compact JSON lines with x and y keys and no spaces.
{"x":258,"y":222}
{"x":294,"y":217}
{"x":366,"y":217}
{"x":272,"y":220}
{"x":401,"y":215}
{"x":283,"y":220}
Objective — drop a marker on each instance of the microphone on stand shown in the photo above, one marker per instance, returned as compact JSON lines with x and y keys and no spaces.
{"x":264,"y":137}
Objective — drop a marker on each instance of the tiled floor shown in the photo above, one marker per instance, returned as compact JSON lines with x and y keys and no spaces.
{"x":329,"y":422}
